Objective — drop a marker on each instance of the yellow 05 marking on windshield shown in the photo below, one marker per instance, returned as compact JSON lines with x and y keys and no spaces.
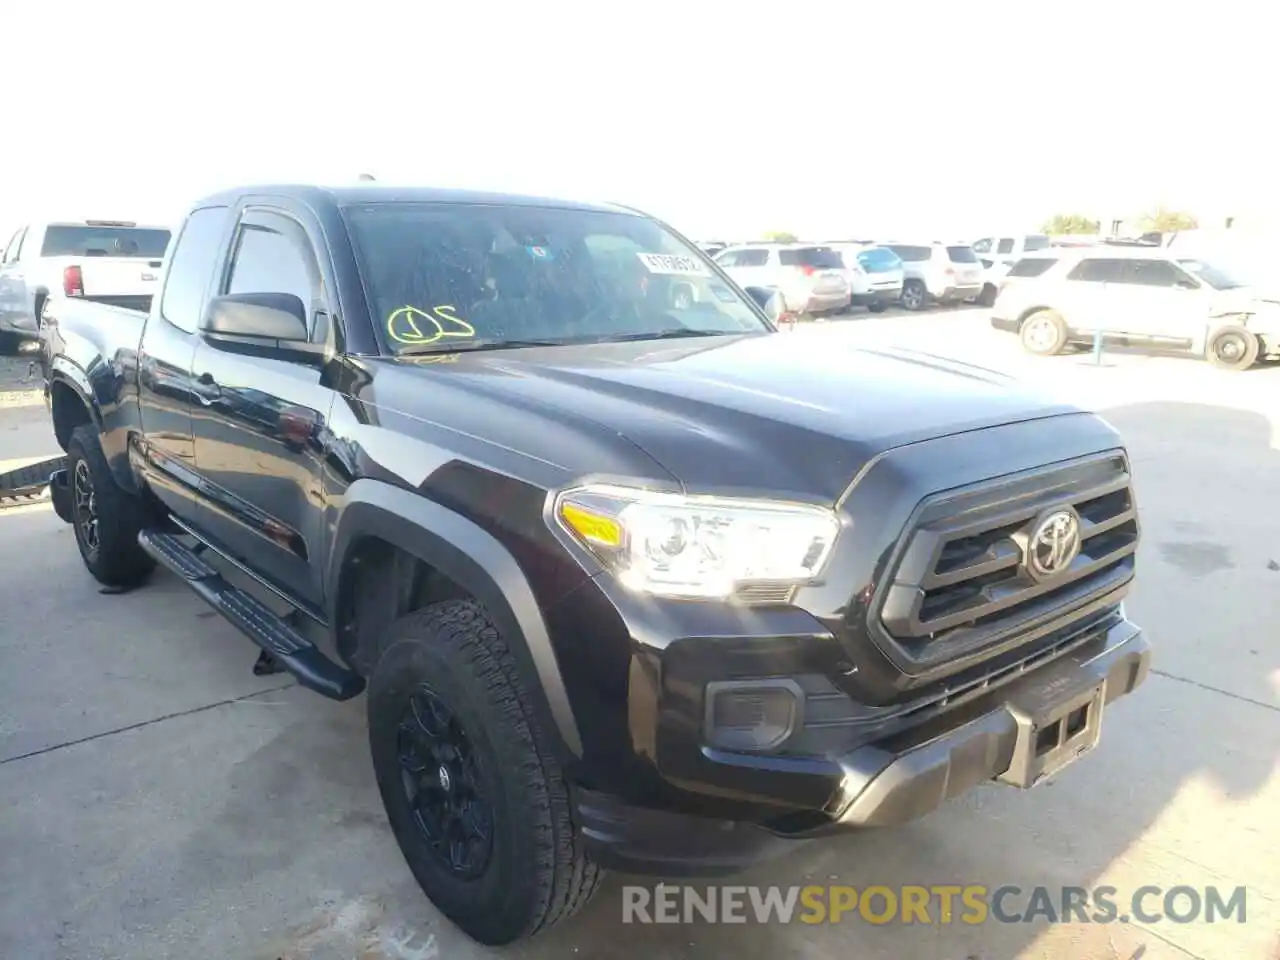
{"x":409,"y":325}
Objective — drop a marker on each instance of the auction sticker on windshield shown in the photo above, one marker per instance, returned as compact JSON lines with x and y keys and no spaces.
{"x":675,"y":265}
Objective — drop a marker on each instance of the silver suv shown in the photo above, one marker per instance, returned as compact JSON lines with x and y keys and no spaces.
{"x":937,"y":273}
{"x":811,"y":278}
{"x":1136,"y":295}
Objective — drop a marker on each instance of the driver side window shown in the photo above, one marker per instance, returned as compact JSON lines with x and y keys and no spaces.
{"x":272,"y":255}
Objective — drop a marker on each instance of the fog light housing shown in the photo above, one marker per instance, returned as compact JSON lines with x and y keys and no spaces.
{"x":752,"y":715}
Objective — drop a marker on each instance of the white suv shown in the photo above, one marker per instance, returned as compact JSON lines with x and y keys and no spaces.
{"x":1136,"y":295}
{"x":937,"y":273}
{"x":811,"y":279}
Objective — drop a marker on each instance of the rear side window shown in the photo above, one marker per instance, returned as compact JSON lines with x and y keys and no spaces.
{"x":1006,"y":245}
{"x":1099,"y":270}
{"x":911,"y":254}
{"x":820,"y":258}
{"x":1153,"y":273}
{"x":66,"y":240}
{"x":879,"y":260}
{"x":1036,"y":241}
{"x":1031,"y":266}
{"x":752,"y":258}
{"x":195,"y":254}
{"x":962,"y":254}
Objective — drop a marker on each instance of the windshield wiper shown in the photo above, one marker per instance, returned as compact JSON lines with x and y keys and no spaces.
{"x":674,"y":333}
{"x":467,"y":346}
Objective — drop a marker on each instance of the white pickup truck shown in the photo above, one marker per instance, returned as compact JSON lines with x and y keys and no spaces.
{"x":110,"y":261}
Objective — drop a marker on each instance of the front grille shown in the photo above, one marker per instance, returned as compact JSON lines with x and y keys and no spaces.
{"x":962,"y":580}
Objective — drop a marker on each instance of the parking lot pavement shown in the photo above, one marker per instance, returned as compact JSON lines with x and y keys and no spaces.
{"x":160,"y":801}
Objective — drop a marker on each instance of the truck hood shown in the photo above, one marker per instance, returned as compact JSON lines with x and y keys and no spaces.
{"x":781,"y":414}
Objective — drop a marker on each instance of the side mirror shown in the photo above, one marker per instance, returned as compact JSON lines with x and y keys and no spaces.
{"x":770,"y":301}
{"x":256,"y":317}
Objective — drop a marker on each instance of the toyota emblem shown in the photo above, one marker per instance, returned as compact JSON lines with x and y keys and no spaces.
{"x":1053,"y":545}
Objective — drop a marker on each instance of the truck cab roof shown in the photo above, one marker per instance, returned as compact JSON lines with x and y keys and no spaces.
{"x":370,"y":192}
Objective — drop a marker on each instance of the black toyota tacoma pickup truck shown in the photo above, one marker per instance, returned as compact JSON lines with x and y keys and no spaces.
{"x":629,"y":577}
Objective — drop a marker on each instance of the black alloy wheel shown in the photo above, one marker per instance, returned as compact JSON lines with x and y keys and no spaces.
{"x":441,"y":776}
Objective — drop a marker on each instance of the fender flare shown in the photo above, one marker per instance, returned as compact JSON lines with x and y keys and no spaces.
{"x":63,"y":371}
{"x":472,"y":558}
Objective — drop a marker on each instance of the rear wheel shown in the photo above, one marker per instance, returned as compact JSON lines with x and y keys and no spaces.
{"x":988,"y":295}
{"x":473,"y":790}
{"x":105,"y":518}
{"x":1233,"y":348}
{"x":914,"y":295}
{"x":1044,"y":333}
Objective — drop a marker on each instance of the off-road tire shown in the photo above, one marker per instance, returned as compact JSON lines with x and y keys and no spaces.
{"x":1247,"y":343}
{"x":537,"y":873}
{"x":117,"y":560}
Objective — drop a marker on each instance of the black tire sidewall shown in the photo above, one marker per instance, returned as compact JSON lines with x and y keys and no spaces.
{"x":500,"y":902}
{"x":119,"y":561}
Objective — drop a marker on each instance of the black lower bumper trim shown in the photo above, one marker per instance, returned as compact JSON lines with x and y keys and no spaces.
{"x":895,"y":788}
{"x":662,"y":843}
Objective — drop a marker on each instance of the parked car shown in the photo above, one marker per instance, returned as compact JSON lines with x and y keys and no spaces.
{"x":993,"y":274}
{"x":1136,"y":295}
{"x":109,"y":261}
{"x":811,"y":277}
{"x":625,"y":584}
{"x":1011,"y":248}
{"x":937,"y":273}
{"x":875,"y":275}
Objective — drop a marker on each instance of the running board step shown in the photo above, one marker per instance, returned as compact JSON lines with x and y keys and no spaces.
{"x":294,"y":652}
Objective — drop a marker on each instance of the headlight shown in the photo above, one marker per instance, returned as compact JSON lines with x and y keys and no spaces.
{"x":676,"y":546}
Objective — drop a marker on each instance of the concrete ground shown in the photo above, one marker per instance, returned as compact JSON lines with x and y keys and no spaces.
{"x":159,"y":801}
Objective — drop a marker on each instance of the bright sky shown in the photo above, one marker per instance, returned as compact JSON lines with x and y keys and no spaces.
{"x":842,"y":119}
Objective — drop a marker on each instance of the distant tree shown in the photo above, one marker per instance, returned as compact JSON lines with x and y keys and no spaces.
{"x":1162,"y":220}
{"x":781,"y":236}
{"x":1070,"y":223}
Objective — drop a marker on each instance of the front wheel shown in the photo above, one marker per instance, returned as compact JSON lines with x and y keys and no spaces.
{"x":472,"y":788}
{"x":876,"y":306}
{"x":105,"y":518}
{"x":1233,"y":348}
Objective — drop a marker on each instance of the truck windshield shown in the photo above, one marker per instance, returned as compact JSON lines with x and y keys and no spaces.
{"x":442,"y":277}
{"x":67,"y":240}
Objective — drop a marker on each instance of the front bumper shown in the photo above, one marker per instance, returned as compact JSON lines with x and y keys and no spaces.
{"x":998,"y":735}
